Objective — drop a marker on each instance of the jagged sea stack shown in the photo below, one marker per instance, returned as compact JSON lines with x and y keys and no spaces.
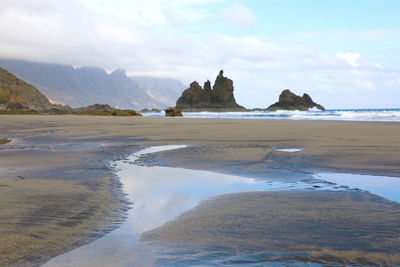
{"x":290,"y":101}
{"x":219,"y":98}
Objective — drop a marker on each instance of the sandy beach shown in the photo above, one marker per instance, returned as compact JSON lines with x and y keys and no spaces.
{"x":340,"y":227}
{"x":57,"y":191}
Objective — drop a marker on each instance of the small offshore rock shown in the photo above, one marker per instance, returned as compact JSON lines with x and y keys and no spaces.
{"x":290,"y":101}
{"x":173,"y":112}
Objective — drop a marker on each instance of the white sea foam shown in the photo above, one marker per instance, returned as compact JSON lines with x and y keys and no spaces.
{"x":313,"y":114}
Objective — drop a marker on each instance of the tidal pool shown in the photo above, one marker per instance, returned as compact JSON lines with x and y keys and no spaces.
{"x":290,"y":150}
{"x":387,"y":187}
{"x":159,"y":194}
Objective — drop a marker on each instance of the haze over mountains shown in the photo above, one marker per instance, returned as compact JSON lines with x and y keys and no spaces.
{"x":83,"y":86}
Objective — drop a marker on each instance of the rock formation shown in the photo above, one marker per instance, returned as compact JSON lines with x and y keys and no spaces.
{"x":17,"y":94}
{"x":173,"y":112}
{"x":290,"y":101}
{"x":220,"y":97}
{"x":104,"y":110}
{"x":98,"y":108}
{"x":154,"y":110}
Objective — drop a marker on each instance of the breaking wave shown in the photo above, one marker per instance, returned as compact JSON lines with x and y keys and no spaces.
{"x":334,"y":114}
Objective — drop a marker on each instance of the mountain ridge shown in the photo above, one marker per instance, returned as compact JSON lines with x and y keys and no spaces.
{"x":82,"y":86}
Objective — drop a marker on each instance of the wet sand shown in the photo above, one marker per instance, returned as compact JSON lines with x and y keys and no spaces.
{"x":53,"y":151}
{"x":41,"y":218}
{"x":346,"y":226}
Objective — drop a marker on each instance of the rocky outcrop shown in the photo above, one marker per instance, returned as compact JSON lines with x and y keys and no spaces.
{"x":98,"y":108}
{"x":220,"y":97}
{"x":153,"y":110}
{"x":17,"y":94}
{"x":290,"y":101}
{"x":104,"y":110}
{"x":173,"y":112}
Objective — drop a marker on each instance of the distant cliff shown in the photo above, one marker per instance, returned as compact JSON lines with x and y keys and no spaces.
{"x":164,"y":90}
{"x":84,"y":86}
{"x":290,"y":101}
{"x":14,"y":92}
{"x":219,"y":98}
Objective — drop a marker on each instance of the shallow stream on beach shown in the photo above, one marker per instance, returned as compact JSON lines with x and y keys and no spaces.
{"x":159,"y":194}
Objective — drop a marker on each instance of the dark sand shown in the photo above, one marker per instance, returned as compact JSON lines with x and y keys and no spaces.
{"x":62,"y":163}
{"x":347,"y":226}
{"x":41,"y":218}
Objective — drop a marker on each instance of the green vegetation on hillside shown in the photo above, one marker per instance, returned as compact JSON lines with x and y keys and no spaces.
{"x":15,"y":90}
{"x":3,"y":97}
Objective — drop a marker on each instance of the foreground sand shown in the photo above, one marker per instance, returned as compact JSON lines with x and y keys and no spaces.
{"x":61,"y":160}
{"x":316,"y":226}
{"x":41,"y":217}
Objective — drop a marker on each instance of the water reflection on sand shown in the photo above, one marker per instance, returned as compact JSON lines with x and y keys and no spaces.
{"x":159,"y":194}
{"x":387,"y":187}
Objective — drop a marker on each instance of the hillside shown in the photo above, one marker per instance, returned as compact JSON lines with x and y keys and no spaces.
{"x":15,"y":91}
{"x":83,"y":86}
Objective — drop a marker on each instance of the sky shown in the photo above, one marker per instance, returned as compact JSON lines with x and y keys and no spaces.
{"x":345,"y":54}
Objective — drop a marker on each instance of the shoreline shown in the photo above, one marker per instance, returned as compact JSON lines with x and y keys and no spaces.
{"x":373,"y":115}
{"x":235,"y":146}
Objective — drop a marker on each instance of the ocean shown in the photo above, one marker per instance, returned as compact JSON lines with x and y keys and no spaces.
{"x":332,"y":114}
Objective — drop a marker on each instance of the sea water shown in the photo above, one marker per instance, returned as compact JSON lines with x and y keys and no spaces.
{"x":159,"y":194}
{"x":314,"y":114}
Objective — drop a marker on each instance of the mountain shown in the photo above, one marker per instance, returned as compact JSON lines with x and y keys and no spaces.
{"x":83,"y":86}
{"x":219,"y":98}
{"x":15,"y":92}
{"x":165,"y":90}
{"x":290,"y":101}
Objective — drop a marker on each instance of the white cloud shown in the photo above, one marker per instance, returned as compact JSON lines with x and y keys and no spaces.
{"x":350,"y":58}
{"x":238,"y":16}
{"x":112,"y":35}
{"x":151,"y":12}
